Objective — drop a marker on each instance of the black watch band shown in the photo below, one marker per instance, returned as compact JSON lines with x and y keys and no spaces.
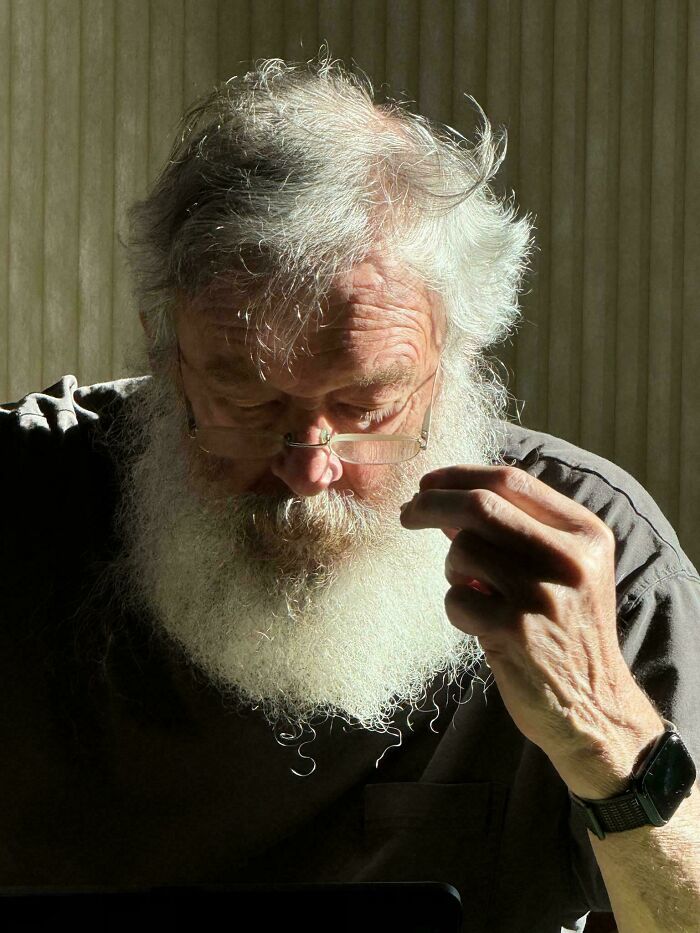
{"x":665,"y":775}
{"x":613,"y":815}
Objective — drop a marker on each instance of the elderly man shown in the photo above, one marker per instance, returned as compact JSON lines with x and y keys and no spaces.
{"x":233,"y":653}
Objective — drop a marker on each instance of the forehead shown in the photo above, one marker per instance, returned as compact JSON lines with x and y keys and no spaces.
{"x":375,"y":318}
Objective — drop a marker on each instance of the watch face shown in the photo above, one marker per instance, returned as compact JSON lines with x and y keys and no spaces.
{"x":670,"y":776}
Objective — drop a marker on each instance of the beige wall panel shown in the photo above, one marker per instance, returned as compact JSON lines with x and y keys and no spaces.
{"x":599,"y":98}
{"x":166,"y":78}
{"x":632,"y":341}
{"x":502,"y":105}
{"x":301,"y":40}
{"x":369,"y":40}
{"x":201,"y":66}
{"x":600,"y":227}
{"x":96,"y":193}
{"x":5,"y":150}
{"x":403,"y":48}
{"x":131,"y":147}
{"x":663,"y":431}
{"x":469,"y":60}
{"x":62,"y":197}
{"x":234,"y":37}
{"x":26,"y":211}
{"x":335,"y":26}
{"x":503,"y":61}
{"x":530,"y":157}
{"x":568,"y":195}
{"x":435,"y":62}
{"x":267,"y":28}
{"x":689,"y":485}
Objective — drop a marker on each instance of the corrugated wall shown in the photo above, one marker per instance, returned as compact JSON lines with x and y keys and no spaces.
{"x":601,"y":101}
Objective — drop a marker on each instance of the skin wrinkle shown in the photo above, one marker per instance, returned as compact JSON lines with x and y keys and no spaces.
{"x":410,"y":404}
{"x":231,"y":372}
{"x":219,"y":231}
{"x":341,"y":348}
{"x":352,"y":605}
{"x":365,"y":314}
{"x":211,"y":585}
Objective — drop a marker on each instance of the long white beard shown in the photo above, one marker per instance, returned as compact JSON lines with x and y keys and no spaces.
{"x":300,"y":607}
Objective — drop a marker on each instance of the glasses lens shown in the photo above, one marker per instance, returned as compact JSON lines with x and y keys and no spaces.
{"x":380,"y":449}
{"x":352,"y":448}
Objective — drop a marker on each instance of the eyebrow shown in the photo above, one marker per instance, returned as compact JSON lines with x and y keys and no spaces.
{"x":392,"y":375}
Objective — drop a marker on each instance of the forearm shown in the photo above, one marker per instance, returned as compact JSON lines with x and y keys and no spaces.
{"x":652,"y":873}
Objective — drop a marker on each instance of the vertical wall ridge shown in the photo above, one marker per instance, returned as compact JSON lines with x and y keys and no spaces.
{"x":5,"y":374}
{"x":79,"y":157}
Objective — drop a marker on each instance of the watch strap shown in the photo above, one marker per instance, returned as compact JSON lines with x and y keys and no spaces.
{"x":613,"y":815}
{"x":624,"y":811}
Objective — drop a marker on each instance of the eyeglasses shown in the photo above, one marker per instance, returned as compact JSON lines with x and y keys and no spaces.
{"x":234,"y":444}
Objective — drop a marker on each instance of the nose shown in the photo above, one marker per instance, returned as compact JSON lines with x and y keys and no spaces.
{"x":307,"y":471}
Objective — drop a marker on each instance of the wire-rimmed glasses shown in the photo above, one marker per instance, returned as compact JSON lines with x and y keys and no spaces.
{"x":241,"y":445}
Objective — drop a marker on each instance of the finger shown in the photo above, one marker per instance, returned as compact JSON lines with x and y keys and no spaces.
{"x":477,"y":614}
{"x":490,"y":517}
{"x":528,"y":493}
{"x":472,"y":559}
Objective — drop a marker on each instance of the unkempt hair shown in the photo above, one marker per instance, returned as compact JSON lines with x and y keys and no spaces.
{"x":284,"y":177}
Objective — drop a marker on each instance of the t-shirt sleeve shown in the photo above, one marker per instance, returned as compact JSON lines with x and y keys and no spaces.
{"x":660,"y":640}
{"x":55,"y":497}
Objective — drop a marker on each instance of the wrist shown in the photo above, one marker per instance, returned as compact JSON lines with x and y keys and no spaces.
{"x":604,"y":768}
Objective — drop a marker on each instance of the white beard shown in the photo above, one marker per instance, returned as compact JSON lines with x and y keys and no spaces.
{"x":228,"y":577}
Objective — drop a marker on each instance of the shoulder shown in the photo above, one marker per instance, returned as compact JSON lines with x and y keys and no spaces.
{"x":57,"y":474}
{"x":648,"y":550}
{"x":63,"y":410}
{"x":61,"y":424}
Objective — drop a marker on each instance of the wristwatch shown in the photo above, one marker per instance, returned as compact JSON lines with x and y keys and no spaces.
{"x":658,"y":784}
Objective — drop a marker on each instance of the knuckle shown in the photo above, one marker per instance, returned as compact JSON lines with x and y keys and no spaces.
{"x":607,"y":535}
{"x":594,"y":530}
{"x":583,"y":568}
{"x":598,"y":537}
{"x":516,"y":480}
{"x":484,"y":502}
{"x":583,"y":564}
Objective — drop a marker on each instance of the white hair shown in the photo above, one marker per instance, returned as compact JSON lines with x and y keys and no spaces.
{"x":283,"y":178}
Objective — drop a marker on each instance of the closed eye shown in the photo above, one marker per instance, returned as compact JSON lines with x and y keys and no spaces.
{"x":369,"y":415}
{"x":374,"y":415}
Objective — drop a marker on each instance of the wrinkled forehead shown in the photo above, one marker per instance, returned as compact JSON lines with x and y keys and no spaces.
{"x":375,"y":309}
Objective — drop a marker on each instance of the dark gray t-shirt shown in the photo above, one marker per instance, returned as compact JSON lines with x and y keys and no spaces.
{"x":121,"y":767}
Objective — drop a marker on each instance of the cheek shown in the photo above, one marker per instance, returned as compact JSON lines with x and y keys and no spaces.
{"x":377,"y":484}
{"x":218,"y":476}
{"x":246,"y":477}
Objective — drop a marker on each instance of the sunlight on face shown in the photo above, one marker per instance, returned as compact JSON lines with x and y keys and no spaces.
{"x":302,"y":597}
{"x":370,"y":367}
